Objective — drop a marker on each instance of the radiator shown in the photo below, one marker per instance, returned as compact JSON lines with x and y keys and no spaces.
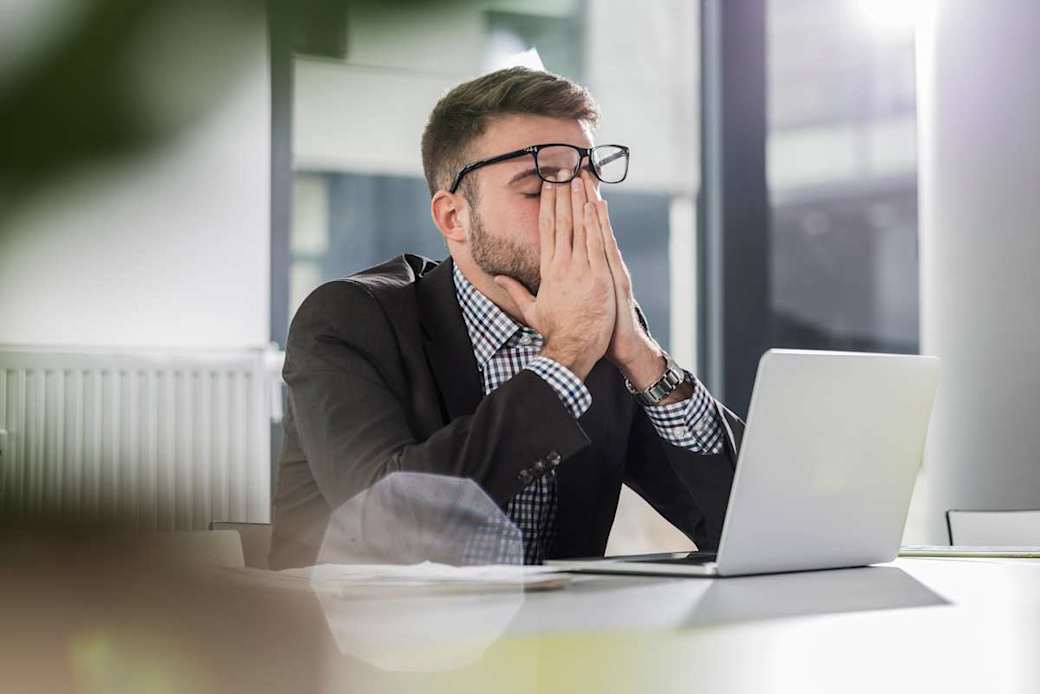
{"x":152,"y":441}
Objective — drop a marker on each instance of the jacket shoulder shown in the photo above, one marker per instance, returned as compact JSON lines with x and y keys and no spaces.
{"x":357,"y":307}
{"x":397,"y":272}
{"x":363,"y":290}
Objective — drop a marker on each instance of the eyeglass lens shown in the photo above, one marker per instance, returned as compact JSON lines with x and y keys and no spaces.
{"x":560,"y":164}
{"x":611,"y":163}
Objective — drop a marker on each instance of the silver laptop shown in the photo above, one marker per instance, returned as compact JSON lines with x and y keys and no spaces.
{"x":826,"y":470}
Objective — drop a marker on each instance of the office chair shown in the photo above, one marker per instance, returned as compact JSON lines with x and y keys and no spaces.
{"x":1014,"y":528}
{"x":255,"y":538}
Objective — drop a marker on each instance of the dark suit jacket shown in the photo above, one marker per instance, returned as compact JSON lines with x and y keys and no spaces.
{"x":382,"y":378}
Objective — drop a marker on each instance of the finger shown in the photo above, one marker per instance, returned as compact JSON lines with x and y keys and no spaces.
{"x":592,"y":194}
{"x":603,"y":216}
{"x":564,"y":222}
{"x":580,"y":232}
{"x":547,"y":225}
{"x":594,"y":240}
{"x":520,"y":296}
{"x":591,"y":186}
{"x":617,"y":263}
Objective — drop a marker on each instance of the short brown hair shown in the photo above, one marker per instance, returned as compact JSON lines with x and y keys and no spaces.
{"x":464,"y":113}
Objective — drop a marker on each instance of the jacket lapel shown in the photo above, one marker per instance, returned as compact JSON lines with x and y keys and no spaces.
{"x":446,"y":342}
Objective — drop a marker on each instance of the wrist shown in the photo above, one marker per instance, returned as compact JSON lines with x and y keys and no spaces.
{"x":645,"y":366}
{"x":573,"y":357}
{"x":666,"y":383}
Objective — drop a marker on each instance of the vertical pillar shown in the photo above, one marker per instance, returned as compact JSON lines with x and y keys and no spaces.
{"x":979,"y":110}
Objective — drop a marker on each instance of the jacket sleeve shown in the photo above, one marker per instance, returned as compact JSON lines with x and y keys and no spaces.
{"x":347,"y":391}
{"x":691,"y":490}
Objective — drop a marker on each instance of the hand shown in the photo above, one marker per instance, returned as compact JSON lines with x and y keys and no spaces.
{"x":575,"y":308}
{"x":631,"y":349}
{"x":629,"y":341}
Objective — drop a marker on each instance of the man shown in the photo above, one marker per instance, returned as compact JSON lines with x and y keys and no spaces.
{"x":507,"y":363}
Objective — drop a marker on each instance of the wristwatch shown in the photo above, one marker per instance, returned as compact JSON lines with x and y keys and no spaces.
{"x":673,"y":377}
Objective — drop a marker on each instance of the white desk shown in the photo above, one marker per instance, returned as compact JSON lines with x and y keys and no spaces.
{"x":922,"y":625}
{"x":919,"y":625}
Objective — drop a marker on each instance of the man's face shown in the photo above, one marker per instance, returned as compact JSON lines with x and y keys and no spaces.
{"x":504,"y":238}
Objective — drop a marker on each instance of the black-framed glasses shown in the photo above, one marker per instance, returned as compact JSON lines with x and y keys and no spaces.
{"x":560,"y":163}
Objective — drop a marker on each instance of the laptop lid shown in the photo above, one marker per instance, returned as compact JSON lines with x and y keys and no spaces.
{"x":826,"y":470}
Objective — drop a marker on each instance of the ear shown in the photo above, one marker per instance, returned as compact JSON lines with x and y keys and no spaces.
{"x":449,"y":210}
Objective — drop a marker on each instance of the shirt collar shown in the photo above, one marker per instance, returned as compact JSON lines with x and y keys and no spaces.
{"x":489,"y":326}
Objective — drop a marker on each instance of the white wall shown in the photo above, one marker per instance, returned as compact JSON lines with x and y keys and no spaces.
{"x":169,"y":249}
{"x":979,"y":106}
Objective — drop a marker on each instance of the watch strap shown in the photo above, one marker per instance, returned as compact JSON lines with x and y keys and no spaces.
{"x":657,"y":391}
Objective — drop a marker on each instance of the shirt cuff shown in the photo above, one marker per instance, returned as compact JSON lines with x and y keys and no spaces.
{"x":692,"y":424}
{"x":572,"y":392}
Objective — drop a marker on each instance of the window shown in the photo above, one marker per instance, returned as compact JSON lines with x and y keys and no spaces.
{"x":359,"y":195}
{"x":842,"y":177}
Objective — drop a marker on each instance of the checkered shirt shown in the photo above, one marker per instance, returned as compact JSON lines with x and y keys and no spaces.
{"x":502,"y":348}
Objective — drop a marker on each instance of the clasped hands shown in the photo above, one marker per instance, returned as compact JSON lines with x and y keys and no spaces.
{"x":585,"y":308}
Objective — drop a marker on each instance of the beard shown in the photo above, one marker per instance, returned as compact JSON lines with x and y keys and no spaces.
{"x":498,"y":256}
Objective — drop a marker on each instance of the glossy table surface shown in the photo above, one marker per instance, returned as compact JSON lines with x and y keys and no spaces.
{"x":929,"y":625}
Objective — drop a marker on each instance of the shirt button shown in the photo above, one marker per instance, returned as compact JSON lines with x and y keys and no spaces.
{"x":525,"y":339}
{"x":553,"y":458}
{"x":699,"y":428}
{"x":539,"y":466}
{"x":681,"y":431}
{"x":524,"y":476}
